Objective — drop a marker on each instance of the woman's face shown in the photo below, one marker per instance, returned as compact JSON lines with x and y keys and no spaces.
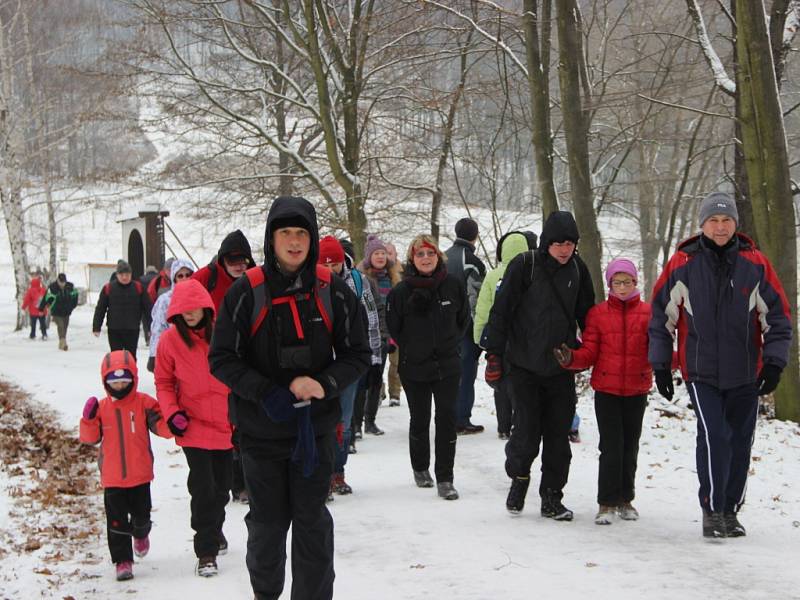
{"x":193,"y":317}
{"x":425,"y":260}
{"x":378,"y":259}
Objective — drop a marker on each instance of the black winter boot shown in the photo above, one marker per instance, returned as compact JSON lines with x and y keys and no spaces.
{"x":732,"y":526}
{"x":552,"y":508}
{"x":713,"y":524}
{"x":516,"y":495}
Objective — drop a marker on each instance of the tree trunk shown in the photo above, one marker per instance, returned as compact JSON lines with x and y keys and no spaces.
{"x":767,"y":164}
{"x":576,"y":131}
{"x":539,"y":85}
{"x":11,"y":200}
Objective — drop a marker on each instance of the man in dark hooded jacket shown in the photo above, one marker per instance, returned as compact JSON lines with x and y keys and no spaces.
{"x":230,"y":263}
{"x":544,"y":293}
{"x":285,"y":378}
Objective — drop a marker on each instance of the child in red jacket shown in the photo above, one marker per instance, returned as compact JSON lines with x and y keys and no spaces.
{"x":195,"y":405}
{"x":31,"y":301}
{"x":120,"y":423}
{"x":615,"y":344}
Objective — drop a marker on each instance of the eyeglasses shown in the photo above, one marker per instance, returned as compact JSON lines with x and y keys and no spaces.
{"x":183,"y":275}
{"x":424,"y":253}
{"x":622,"y":282}
{"x":235,"y":260}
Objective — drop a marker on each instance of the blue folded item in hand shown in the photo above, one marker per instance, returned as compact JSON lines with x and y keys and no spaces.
{"x":279,"y":404}
{"x":305,"y":450}
{"x":282,"y":406}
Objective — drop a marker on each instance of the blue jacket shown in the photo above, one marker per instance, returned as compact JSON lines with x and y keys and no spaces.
{"x":729,"y":311}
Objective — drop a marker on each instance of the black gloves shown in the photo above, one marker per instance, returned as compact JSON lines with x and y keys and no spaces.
{"x":664,"y":383}
{"x":178,"y":423}
{"x":768,"y":379}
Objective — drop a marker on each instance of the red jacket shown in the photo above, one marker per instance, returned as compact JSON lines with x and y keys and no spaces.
{"x":32,"y":298}
{"x":222,"y":284}
{"x":615,"y":343}
{"x":121,"y":428}
{"x":184,"y":381}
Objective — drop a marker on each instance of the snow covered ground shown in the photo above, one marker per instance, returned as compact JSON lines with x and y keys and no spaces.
{"x":394,"y":540}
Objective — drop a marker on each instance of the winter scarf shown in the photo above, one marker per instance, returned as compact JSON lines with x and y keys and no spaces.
{"x":423,"y":286}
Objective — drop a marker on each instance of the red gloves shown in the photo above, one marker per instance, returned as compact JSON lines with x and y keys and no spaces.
{"x":494,"y":370}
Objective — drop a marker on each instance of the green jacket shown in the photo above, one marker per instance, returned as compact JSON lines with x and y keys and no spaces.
{"x":510,"y":246}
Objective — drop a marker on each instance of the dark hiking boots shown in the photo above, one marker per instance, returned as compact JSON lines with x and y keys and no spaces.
{"x":713,"y":525}
{"x":515,"y":501}
{"x":446,"y":490}
{"x":733,"y":528}
{"x":423,"y":479}
{"x":552,"y":508}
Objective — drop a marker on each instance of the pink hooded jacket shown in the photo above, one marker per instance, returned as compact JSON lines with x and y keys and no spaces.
{"x":184,"y":381}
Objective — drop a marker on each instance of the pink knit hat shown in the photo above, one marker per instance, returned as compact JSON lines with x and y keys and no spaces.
{"x":621,"y":265}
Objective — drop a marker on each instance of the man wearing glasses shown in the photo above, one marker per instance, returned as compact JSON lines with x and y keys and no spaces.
{"x":723,"y":300}
{"x":545,"y":293}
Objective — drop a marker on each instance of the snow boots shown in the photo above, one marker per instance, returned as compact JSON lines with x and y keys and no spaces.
{"x":713,"y":524}
{"x":605,"y":515}
{"x":124,"y":570}
{"x":423,"y":479}
{"x":339,"y":485}
{"x":733,"y":528}
{"x":552,"y":508}
{"x":207,"y":566}
{"x":515,"y":501}
{"x":141,"y":546}
{"x":446,"y":490}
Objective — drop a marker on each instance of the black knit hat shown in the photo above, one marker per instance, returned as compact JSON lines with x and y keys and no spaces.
{"x":467,"y":229}
{"x":123,"y":267}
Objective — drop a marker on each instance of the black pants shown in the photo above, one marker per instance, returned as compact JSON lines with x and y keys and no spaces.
{"x":445,"y":395}
{"x":42,"y":325}
{"x":124,"y":339}
{"x":237,"y":480}
{"x":279,"y":497}
{"x":503,"y":407}
{"x":619,"y":421}
{"x":368,"y":399}
{"x":209,"y":481}
{"x":127,"y":516}
{"x":543,"y":411}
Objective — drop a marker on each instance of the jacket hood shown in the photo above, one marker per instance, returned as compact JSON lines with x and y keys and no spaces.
{"x":36,"y":283}
{"x":190,"y":294}
{"x":120,"y":359}
{"x":510,"y":245}
{"x":234,"y":242}
{"x":292,"y":207}
{"x":559,"y":227}
{"x":177,"y":265}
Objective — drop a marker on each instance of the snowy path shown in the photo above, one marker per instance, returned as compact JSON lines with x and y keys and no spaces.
{"x":396,"y":541}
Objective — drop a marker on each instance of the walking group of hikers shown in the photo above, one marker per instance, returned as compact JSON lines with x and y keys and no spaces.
{"x":284,"y":362}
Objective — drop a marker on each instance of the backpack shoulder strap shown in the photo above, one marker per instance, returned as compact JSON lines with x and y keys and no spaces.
{"x":139,"y":287}
{"x":528,"y":263}
{"x":255,"y":276}
{"x":322,"y":296}
{"x":358,"y":280}
{"x":212,"y":276}
{"x":107,"y":288}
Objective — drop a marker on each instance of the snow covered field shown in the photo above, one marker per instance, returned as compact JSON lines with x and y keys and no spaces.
{"x":394,"y":540}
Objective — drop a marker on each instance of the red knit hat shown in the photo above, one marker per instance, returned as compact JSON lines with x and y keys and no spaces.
{"x":330,"y":251}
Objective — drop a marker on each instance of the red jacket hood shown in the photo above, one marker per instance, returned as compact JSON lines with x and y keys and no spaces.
{"x":36,"y":283}
{"x":120,"y":359}
{"x":189,"y":295}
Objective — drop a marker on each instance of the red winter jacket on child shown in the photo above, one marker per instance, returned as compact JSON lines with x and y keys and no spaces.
{"x":615,"y":342}
{"x":33,"y":296}
{"x":184,"y":381}
{"x":122,"y":428}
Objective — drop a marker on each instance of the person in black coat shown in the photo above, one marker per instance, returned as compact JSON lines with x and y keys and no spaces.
{"x":124,"y":304}
{"x":427,"y":314}
{"x":62,"y":298}
{"x":150,"y":273}
{"x":285,"y":376}
{"x":544,"y":296}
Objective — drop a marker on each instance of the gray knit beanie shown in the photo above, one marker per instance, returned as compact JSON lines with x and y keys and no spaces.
{"x":718,"y":203}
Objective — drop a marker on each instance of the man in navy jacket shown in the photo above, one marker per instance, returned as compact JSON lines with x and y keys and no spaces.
{"x":725,"y":302}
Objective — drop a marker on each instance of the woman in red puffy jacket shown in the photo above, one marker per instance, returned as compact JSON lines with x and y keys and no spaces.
{"x":615,"y":345}
{"x":195,"y":405}
{"x":31,"y":301}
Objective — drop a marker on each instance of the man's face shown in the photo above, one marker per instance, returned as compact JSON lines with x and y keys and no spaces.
{"x":61,"y":284}
{"x":561,"y":251}
{"x":124,"y":278}
{"x":335,"y":267}
{"x":291,"y":245}
{"x":719,"y":228}
{"x":235,"y":265}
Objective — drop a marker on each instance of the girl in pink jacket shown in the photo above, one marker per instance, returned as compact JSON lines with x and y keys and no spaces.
{"x":195,"y":405}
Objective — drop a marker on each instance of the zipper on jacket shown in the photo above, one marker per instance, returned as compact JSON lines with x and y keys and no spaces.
{"x":121,"y":431}
{"x":624,"y":347}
